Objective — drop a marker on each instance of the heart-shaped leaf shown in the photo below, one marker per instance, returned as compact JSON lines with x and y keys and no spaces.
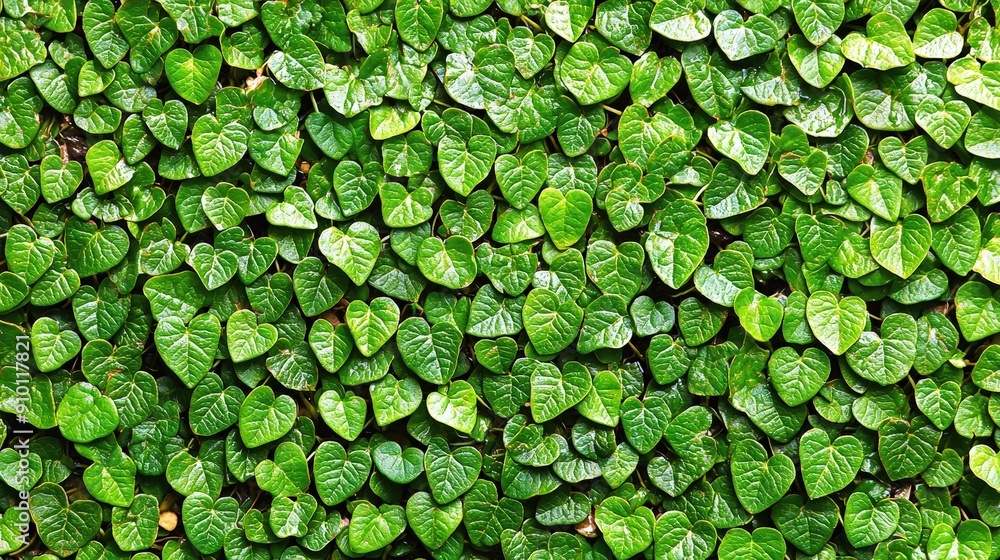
{"x":210,"y":520}
{"x":884,"y":46}
{"x":450,"y":263}
{"x":373,"y":528}
{"x":900,"y":247}
{"x":887,"y":357}
{"x":554,"y":391}
{"x":836,"y":323}
{"x":345,"y":413}
{"x":760,"y":481}
{"x":372,"y":325}
{"x":265,"y":417}
{"x":764,"y":543}
{"x":627,"y":530}
{"x":353,"y":250}
{"x":937,"y":36}
{"x":867,"y":523}
{"x":398,"y":465}
{"x":797,"y":378}
{"x":450,"y":472}
{"x":551,"y":321}
{"x":740,"y":38}
{"x":430,"y":351}
{"x":676,"y":537}
{"x":677,"y":242}
{"x":225,"y":205}
{"x":296,"y":211}
{"x":943,"y":121}
{"x":972,"y":540}
{"x":432,"y":522}
{"x":63,"y":526}
{"x":247,"y":338}
{"x":594,"y":74}
{"x":744,"y":139}
{"x":565,"y":216}
{"x":760,"y":315}
{"x":828,"y":466}
{"x":807,"y":525}
{"x":218,"y":146}
{"x":466,"y":164}
{"x":85,"y":414}
{"x":193,"y":74}
{"x":454,"y":405}
{"x":53,"y":346}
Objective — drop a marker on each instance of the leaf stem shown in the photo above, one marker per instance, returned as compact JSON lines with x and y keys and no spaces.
{"x":532,"y":23}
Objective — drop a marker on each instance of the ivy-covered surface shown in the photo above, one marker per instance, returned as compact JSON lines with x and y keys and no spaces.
{"x":562,"y":280}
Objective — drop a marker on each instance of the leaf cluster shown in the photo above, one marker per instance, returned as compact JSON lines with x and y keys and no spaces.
{"x":566,"y":279}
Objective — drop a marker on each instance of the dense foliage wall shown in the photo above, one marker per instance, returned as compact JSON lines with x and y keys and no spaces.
{"x":554,"y":280}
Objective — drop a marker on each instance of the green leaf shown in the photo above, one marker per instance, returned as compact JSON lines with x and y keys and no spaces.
{"x":744,"y":139}
{"x":836,"y":323}
{"x":818,"y":20}
{"x":247,"y":337}
{"x":739,"y":38}
{"x":374,"y":528}
{"x":627,"y":530}
{"x":681,"y":21}
{"x":51,"y":345}
{"x":884,"y":46}
{"x":552,"y":321}
{"x":798,"y":378}
{"x":265,"y":417}
{"x":887,"y":357}
{"x":134,"y":528}
{"x":486,"y":516}
{"x":907,"y":447}
{"x":828,"y":466}
{"x":465,"y":164}
{"x":568,"y":18}
{"x":594,"y":74}
{"x":193,"y":74}
{"x":85,"y":414}
{"x":354,"y":250}
{"x":760,"y":481}
{"x":972,"y":540}
{"x":218,"y":146}
{"x":433,"y":523}
{"x":943,"y":121}
{"x":63,"y":526}
{"x":450,"y":472}
{"x":760,"y":316}
{"x":21,"y":46}
{"x":764,"y":543}
{"x":675,"y":534}
{"x":209,"y":520}
{"x":454,"y":405}
{"x":677,"y":242}
{"x":345,"y":412}
{"x":807,"y":525}
{"x":432,"y":352}
{"x":565,"y":215}
{"x":418,"y":23}
{"x":299,"y":65}
{"x":372,"y":325}
{"x":867,"y":523}
{"x":977,"y":311}
{"x":450,"y":263}
{"x":340,"y":473}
